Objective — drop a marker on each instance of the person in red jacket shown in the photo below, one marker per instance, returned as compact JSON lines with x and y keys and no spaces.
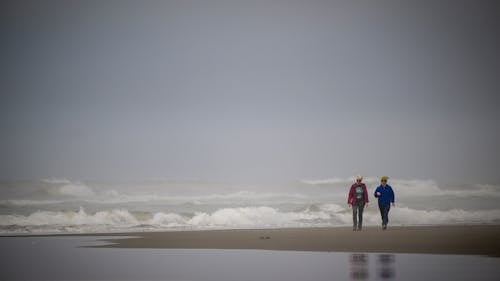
{"x":357,"y":199}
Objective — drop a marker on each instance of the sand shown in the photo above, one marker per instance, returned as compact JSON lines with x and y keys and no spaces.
{"x":466,"y":240}
{"x":69,"y":258}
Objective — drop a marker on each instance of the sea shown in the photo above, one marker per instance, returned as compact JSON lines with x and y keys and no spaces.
{"x":53,"y":206}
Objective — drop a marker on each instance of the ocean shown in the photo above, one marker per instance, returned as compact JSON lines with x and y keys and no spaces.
{"x":68,"y":206}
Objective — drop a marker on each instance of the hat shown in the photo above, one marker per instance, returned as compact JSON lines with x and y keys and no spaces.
{"x":384,"y":178}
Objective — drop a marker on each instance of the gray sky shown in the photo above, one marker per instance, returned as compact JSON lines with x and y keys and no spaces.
{"x":250,"y":90}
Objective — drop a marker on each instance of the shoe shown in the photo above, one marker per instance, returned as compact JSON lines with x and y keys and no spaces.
{"x":359,"y":228}
{"x":354,"y":229}
{"x":384,"y":227}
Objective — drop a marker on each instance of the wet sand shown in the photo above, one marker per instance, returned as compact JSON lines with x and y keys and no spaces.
{"x":466,"y":240}
{"x":68,"y":257}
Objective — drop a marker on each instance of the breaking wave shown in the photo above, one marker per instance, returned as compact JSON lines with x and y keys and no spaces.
{"x":76,"y":190}
{"x":412,"y":188}
{"x":60,"y":205}
{"x":245,"y":217}
{"x":83,"y":193}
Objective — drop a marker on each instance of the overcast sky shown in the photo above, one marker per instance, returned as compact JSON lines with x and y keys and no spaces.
{"x":250,"y":90}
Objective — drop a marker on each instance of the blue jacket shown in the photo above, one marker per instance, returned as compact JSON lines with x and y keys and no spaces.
{"x":386,"y":195}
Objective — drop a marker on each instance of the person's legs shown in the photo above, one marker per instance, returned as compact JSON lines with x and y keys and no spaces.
{"x":387,"y":208}
{"x":354,"y":216}
{"x":381,"y":208}
{"x":360,"y":215}
{"x":385,"y":215}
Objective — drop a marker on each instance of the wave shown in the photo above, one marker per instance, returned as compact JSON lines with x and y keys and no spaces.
{"x":56,"y":181}
{"x":334,"y":189}
{"x":66,"y":188}
{"x":413,"y":188}
{"x":256,"y":216}
{"x":404,"y":215}
{"x":226,"y":218}
{"x":83,"y":193}
{"x":76,"y":190}
{"x":115,"y":208}
{"x":25,"y":202}
{"x":491,"y":191}
{"x":123,"y":220}
{"x":326,"y":181}
{"x":70,"y":218}
{"x":370,"y":181}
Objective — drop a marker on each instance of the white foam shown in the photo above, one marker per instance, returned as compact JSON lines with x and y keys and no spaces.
{"x":66,"y":188}
{"x":332,"y":189}
{"x":332,"y":208}
{"x":76,"y":190}
{"x":56,"y":181}
{"x":125,"y":209}
{"x":490,"y":191}
{"x":113,"y":197}
{"x":415,"y":188}
{"x":255,"y":217}
{"x":406,"y":215}
{"x":70,"y":218}
{"x":326,"y":181}
{"x":23,"y":202}
{"x":168,"y":220}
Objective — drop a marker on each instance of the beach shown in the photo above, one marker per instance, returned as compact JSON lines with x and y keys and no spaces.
{"x":413,"y":253}
{"x":456,"y":240}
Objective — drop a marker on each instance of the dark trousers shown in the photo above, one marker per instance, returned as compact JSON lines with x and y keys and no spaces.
{"x":384,"y":213}
{"x":357,"y":214}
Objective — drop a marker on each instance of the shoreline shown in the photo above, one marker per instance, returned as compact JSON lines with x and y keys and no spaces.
{"x":444,"y":239}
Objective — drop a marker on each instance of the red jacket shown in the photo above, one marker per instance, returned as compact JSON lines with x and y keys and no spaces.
{"x":351,"y":199}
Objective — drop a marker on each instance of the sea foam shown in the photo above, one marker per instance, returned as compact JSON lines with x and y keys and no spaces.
{"x":226,"y":218}
{"x":72,"y":206}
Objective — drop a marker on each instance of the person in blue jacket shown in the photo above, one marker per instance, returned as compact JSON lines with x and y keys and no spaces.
{"x":385,"y":196}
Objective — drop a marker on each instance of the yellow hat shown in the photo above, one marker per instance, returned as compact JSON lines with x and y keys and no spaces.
{"x":384,"y":178}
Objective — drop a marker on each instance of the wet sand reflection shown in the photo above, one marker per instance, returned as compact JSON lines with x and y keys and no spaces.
{"x":360,"y":266}
{"x":385,"y":266}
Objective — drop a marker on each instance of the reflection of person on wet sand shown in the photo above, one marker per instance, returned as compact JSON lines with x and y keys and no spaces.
{"x":359,"y":266}
{"x":386,"y":268}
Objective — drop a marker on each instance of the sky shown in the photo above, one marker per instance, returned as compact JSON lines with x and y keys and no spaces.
{"x":250,"y":90}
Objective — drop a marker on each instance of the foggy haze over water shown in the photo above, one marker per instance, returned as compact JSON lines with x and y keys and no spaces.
{"x":250,"y":91}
